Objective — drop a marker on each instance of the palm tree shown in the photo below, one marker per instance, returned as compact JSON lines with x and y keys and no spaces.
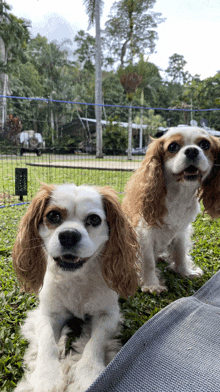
{"x":93,"y":9}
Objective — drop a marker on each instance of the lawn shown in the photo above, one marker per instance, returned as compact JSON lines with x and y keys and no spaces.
{"x":53,"y":175}
{"x":137,"y":310}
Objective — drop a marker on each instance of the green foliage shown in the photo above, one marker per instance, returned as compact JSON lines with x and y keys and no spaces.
{"x":115,"y":138}
{"x":208,"y":95}
{"x":204,"y":94}
{"x":86,"y":50}
{"x":30,"y":78}
{"x":13,"y":304}
{"x":153,"y":122}
{"x":50,"y":60}
{"x":37,"y":68}
{"x":149,"y":71}
{"x":113,"y":94}
{"x":130,"y":29}
{"x":175,"y":69}
{"x":15,"y":35}
{"x":90,"y":9}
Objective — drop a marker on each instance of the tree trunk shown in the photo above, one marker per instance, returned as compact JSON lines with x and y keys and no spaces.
{"x":3,"y":83}
{"x":52,"y":121}
{"x":141,"y":124}
{"x":3,"y":91}
{"x":57,"y":126}
{"x":130,"y":133}
{"x":141,"y":130}
{"x":98,"y":83}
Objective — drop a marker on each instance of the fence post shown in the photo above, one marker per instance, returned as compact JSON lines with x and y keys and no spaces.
{"x":21,"y":182}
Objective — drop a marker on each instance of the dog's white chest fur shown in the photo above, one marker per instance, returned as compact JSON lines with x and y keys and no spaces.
{"x":182,"y":210}
{"x":76,"y":294}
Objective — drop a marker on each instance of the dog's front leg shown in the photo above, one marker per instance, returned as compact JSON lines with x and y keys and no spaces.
{"x":47,"y":376}
{"x":181,"y":262}
{"x":148,"y":279}
{"x":92,"y":363}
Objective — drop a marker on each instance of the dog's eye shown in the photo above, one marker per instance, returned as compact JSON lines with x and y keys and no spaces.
{"x":93,"y":220}
{"x":204,"y":144}
{"x":54,"y":217}
{"x":173,"y":147}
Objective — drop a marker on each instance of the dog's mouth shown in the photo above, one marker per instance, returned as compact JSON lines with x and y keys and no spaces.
{"x":69,"y":262}
{"x":191,"y":173}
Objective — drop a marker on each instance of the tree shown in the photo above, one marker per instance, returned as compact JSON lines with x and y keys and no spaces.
{"x":153,"y":122}
{"x":14,"y":36}
{"x":130,"y":80}
{"x":115,"y":138}
{"x":208,"y":97}
{"x":86,"y":50}
{"x":148,"y":88}
{"x":113,"y":94}
{"x":175,"y":69}
{"x":130,"y":29}
{"x":50,"y":60}
{"x":93,"y":8}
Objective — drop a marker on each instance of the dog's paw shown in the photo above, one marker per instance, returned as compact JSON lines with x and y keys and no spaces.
{"x":82,"y":375}
{"x":191,"y":273}
{"x":153,"y":288}
{"x":186,"y":268}
{"x":49,"y":380}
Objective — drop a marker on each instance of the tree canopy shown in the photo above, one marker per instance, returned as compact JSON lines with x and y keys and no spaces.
{"x":131,"y":29}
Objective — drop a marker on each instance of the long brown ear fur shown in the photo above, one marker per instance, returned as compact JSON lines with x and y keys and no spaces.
{"x":146,"y":191}
{"x":119,"y":267}
{"x":29,"y":259}
{"x":210,"y":190}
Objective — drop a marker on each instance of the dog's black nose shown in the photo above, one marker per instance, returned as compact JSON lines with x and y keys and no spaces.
{"x":69,"y":238}
{"x":191,"y":152}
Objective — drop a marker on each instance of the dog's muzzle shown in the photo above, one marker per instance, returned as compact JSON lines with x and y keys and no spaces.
{"x":69,"y":262}
{"x":191,"y":173}
{"x":69,"y":239}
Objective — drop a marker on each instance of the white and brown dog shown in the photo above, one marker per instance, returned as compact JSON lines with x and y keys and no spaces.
{"x":162,"y":198}
{"x":77,"y":248}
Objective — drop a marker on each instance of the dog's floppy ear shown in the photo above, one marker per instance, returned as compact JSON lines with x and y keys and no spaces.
{"x":210,"y":190}
{"x":29,"y":258}
{"x":145,"y":192}
{"x":121,"y":253}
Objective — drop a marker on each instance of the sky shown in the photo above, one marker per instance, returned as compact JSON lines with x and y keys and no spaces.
{"x":191,"y":29}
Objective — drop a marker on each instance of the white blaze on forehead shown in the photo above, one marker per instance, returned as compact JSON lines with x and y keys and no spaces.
{"x":190,"y":134}
{"x":77,"y":199}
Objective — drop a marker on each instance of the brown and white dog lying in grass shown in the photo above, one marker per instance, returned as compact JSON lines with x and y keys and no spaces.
{"x":77,"y":248}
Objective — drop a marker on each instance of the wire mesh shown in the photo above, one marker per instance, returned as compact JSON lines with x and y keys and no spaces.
{"x":66,"y":127}
{"x":54,"y":168}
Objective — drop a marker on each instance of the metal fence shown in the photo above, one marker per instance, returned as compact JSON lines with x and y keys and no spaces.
{"x":51,"y":167}
{"x":72,"y":133}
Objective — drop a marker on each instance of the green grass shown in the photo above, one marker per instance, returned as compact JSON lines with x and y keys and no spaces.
{"x":137,"y":310}
{"x":13,"y":304}
{"x":56,"y":176}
